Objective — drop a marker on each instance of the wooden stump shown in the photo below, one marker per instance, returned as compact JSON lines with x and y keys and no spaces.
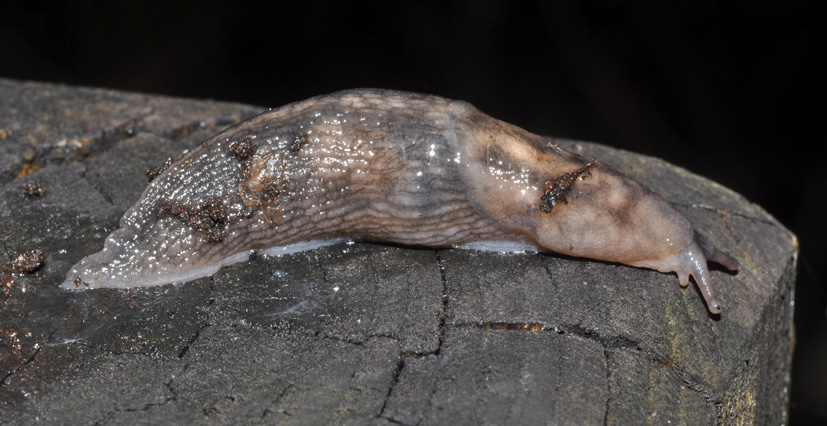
{"x":363,"y":333}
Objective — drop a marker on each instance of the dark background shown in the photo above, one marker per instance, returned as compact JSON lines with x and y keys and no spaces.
{"x":728,"y":90}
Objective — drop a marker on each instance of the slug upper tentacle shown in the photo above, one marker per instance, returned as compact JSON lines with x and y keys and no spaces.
{"x":390,"y":167}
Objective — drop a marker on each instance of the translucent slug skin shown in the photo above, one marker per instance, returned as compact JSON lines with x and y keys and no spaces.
{"x":388,"y":166}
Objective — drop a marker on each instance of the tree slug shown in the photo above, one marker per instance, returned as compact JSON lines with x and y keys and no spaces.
{"x":387,"y":166}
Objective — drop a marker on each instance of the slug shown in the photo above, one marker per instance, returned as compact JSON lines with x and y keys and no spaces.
{"x":387,"y":166}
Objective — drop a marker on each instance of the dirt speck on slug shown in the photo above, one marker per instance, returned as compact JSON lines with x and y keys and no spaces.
{"x":154,"y":172}
{"x":266,"y":184}
{"x":243,"y":151}
{"x":299,"y":142}
{"x":555,"y":190}
{"x":210,"y":219}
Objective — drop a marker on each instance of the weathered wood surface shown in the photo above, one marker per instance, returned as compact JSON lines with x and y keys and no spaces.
{"x":364,"y":333}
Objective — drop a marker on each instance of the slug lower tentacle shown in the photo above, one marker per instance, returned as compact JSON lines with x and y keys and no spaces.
{"x":389,"y":167}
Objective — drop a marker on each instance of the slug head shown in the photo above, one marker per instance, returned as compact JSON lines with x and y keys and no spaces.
{"x":565,"y":203}
{"x":602,"y":214}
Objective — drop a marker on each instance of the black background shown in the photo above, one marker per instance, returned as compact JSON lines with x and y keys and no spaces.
{"x":731,"y":91}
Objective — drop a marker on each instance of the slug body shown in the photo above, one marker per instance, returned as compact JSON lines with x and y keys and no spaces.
{"x":395,"y":167}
